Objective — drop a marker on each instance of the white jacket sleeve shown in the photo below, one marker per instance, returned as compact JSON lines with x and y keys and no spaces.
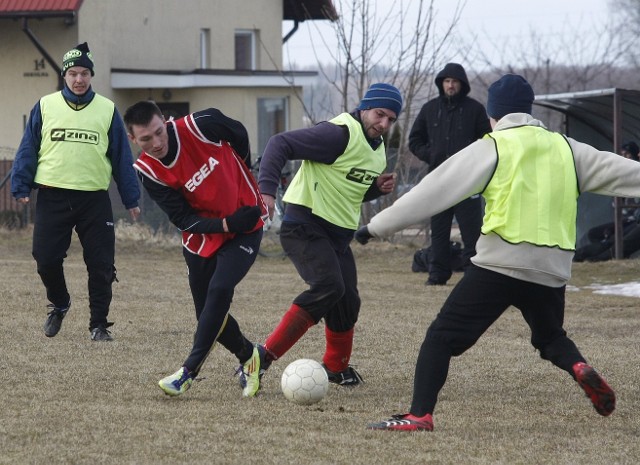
{"x":464,"y":174}
{"x":605,"y":173}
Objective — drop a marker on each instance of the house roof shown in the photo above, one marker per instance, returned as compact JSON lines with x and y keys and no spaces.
{"x":298,"y":10}
{"x":39,"y":8}
{"x":302,"y":10}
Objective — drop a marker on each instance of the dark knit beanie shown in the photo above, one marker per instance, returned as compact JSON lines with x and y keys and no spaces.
{"x":382,"y":95}
{"x":509,"y":94}
{"x":78,"y":56}
{"x":632,"y":148}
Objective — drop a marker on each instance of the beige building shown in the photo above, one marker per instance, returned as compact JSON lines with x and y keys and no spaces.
{"x":186,"y":55}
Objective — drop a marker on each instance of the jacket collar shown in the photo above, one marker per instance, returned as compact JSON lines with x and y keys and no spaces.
{"x":517,"y":119}
{"x":78,"y":99}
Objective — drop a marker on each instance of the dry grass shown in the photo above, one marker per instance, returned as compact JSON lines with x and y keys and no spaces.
{"x":69,"y":400}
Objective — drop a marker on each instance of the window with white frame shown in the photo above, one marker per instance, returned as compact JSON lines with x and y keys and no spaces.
{"x":205,"y":47}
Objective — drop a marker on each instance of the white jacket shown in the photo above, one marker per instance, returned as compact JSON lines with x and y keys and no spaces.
{"x":597,"y":171}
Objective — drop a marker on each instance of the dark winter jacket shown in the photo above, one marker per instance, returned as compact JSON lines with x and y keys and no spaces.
{"x":445,"y":124}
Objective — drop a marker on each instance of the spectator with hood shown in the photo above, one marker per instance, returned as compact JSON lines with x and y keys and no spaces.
{"x":444,"y":126}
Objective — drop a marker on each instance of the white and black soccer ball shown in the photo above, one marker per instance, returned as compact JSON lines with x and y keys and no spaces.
{"x":304,"y":382}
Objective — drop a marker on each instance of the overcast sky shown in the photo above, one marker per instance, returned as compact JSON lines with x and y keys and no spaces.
{"x":500,"y":20}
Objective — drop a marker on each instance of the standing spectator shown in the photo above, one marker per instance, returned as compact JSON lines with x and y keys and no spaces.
{"x":73,"y":144}
{"x":444,"y":126}
{"x":195,"y":168}
{"x":530,"y":178}
{"x":342,"y":165}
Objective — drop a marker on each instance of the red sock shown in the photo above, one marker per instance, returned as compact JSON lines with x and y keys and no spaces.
{"x":338,"y":350}
{"x":292,"y":327}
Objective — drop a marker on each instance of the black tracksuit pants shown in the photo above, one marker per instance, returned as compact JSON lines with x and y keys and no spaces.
{"x":475,"y":303}
{"x":327,"y":265}
{"x":213,"y":281}
{"x":58,"y":212}
{"x":468,"y":213}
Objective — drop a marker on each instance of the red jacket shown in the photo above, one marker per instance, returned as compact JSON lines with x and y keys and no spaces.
{"x":212,"y":178}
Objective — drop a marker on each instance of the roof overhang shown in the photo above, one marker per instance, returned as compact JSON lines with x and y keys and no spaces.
{"x":147,"y":79}
{"x":605,"y":119}
{"x":604,"y":111}
{"x":12,"y":9}
{"x":302,"y":10}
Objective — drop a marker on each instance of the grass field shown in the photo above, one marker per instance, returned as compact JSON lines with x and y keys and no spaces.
{"x":73,"y":401}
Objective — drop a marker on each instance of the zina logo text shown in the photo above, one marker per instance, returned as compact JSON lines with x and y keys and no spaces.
{"x":362,"y":176}
{"x":75,"y":135}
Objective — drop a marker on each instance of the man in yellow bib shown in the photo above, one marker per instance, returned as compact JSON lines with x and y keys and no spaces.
{"x":530,"y":178}
{"x":343,"y":164}
{"x":74,"y":143}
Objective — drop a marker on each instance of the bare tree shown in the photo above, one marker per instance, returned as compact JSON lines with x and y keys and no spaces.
{"x":628,"y":12}
{"x":401,"y":46}
{"x":627,"y":17}
{"x":374,"y":45}
{"x":568,"y":61}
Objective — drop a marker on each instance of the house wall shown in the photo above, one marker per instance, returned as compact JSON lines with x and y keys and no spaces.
{"x":240,"y":104}
{"x":22,"y":83}
{"x":165,"y":34}
{"x":157,"y":35}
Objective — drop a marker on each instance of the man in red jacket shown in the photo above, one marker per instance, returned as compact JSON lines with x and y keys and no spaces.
{"x":195,"y":168}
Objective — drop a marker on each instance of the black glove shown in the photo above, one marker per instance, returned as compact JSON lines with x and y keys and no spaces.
{"x":362,"y":235}
{"x":244,"y":219}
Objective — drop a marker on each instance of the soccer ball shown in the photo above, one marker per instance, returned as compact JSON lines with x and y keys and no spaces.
{"x":304,"y":382}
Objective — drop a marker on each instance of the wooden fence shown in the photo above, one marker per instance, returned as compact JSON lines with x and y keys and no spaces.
{"x":12,"y":214}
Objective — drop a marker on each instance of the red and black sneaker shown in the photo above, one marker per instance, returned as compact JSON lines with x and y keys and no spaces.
{"x":598,"y":391}
{"x":405,"y":422}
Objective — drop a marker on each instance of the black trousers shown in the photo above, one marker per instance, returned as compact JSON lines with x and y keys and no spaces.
{"x":58,"y":212}
{"x":213,"y":281}
{"x":473,"y":306}
{"x":328,"y":267}
{"x":468,"y":213}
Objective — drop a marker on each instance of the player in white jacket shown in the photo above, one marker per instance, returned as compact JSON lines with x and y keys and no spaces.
{"x":530,"y":178}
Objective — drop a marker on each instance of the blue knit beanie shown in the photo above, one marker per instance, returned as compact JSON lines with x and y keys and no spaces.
{"x":382,"y":95}
{"x":509,"y":94}
{"x":78,"y":56}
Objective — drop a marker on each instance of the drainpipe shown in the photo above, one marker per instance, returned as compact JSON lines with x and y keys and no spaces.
{"x":52,"y":63}
{"x":291,"y":32}
{"x":617,"y":201}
